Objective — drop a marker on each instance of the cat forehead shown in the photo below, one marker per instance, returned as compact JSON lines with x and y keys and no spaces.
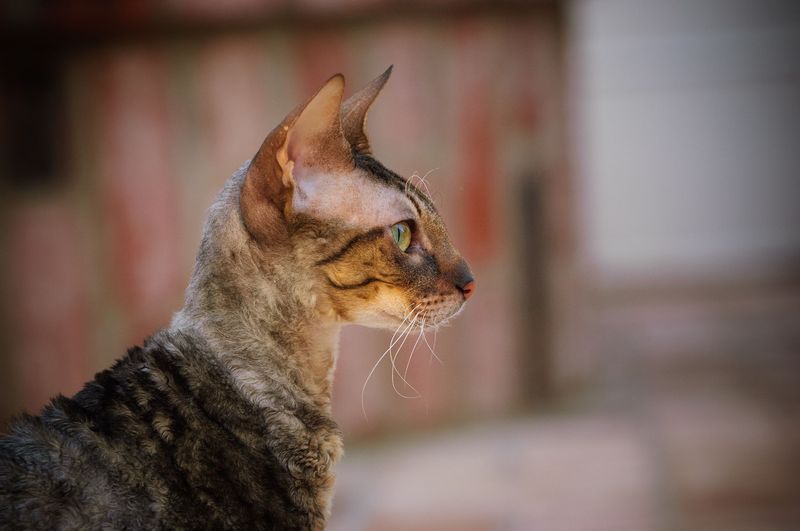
{"x":352,"y":198}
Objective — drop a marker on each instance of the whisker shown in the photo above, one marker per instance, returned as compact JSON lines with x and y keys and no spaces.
{"x":415,"y":175}
{"x":409,"y":182}
{"x":425,"y":184}
{"x":411,"y":355}
{"x":410,"y":312}
{"x":403,"y":335}
{"x":432,"y":349}
{"x":382,"y":356}
{"x":406,"y":333}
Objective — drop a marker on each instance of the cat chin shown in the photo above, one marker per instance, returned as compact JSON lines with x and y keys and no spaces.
{"x":378,"y":318}
{"x":381,"y":320}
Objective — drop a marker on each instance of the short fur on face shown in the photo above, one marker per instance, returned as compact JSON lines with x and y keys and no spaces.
{"x":316,"y":183}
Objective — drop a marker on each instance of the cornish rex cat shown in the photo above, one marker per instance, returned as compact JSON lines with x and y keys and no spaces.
{"x":223,"y":419}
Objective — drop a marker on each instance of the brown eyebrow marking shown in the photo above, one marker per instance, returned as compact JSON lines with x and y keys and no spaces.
{"x":365,"y":236}
{"x":381,"y":173}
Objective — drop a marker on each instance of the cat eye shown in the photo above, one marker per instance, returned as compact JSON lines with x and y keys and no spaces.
{"x":401,"y":232}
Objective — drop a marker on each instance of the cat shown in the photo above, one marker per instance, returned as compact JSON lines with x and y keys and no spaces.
{"x":223,"y":419}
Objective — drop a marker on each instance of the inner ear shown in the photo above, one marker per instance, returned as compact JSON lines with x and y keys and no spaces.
{"x":310,"y":137}
{"x":315,"y":139}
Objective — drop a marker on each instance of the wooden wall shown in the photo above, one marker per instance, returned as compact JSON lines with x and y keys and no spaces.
{"x":124,"y":124}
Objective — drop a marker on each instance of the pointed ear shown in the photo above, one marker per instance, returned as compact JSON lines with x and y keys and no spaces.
{"x":309,"y":137}
{"x":355,"y":109}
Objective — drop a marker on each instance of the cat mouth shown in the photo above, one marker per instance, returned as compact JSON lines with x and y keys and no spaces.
{"x":436,"y":311}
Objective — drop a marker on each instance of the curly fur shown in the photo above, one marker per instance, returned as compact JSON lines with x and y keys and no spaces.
{"x":165,"y":440}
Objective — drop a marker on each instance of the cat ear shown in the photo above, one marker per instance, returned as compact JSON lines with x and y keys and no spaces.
{"x":355,"y":109}
{"x":315,"y":139}
{"x":309,"y":137}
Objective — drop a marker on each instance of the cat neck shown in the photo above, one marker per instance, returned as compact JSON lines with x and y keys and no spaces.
{"x":259,"y":313}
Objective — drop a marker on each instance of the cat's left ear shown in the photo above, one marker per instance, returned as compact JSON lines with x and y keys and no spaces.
{"x":355,"y":109}
{"x":310,"y":139}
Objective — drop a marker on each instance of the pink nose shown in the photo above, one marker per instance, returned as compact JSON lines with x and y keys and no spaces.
{"x":468,"y":288}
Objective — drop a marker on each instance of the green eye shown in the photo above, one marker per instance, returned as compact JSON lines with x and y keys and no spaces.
{"x":401,"y":233}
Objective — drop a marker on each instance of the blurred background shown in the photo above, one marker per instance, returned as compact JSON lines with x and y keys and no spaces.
{"x":622,"y":175}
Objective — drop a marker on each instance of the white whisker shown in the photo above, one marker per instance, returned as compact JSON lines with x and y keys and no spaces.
{"x":409,"y":180}
{"x":411,"y":355}
{"x":415,"y":175}
{"x":387,"y":351}
{"x":406,"y":333}
{"x":425,"y":184}
{"x":432,"y":349}
{"x":410,"y":312}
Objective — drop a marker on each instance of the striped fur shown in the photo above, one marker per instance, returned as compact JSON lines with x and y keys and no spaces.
{"x":163,"y":440}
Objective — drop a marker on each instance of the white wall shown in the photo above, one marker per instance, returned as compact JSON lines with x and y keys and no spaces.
{"x":686,"y":121}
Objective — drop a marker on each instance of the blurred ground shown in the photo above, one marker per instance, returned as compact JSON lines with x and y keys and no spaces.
{"x":694,"y":425}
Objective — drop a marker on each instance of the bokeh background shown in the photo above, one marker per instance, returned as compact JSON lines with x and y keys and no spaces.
{"x":623,"y":176}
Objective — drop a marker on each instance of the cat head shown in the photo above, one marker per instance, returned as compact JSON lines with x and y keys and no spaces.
{"x":374,"y":244}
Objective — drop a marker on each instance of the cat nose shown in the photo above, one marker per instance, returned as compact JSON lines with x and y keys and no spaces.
{"x":461,"y":276}
{"x":467,"y":289}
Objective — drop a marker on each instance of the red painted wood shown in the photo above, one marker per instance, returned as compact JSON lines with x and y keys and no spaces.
{"x":48,"y":305}
{"x":319,"y":55}
{"x":476,"y":144}
{"x":232,"y":95}
{"x":138,"y":190}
